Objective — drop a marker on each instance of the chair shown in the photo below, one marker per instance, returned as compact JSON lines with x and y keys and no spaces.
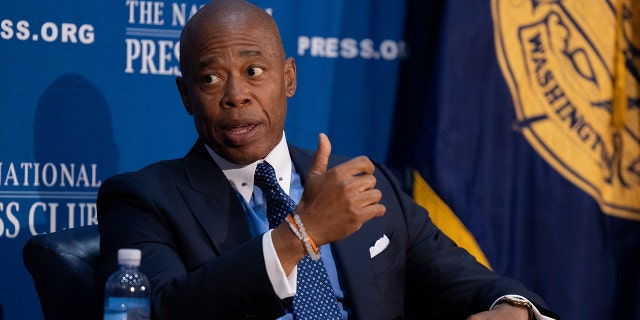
{"x":62,"y":267}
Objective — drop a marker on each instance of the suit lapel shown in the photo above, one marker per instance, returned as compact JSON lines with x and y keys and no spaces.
{"x":213,"y":201}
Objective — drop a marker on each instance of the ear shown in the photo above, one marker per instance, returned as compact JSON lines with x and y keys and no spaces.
{"x":290,"y":77}
{"x":184,"y":93}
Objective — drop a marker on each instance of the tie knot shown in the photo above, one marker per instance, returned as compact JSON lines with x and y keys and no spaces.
{"x":265,"y":177}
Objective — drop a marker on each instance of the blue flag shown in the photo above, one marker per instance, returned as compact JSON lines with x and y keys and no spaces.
{"x":523,"y":117}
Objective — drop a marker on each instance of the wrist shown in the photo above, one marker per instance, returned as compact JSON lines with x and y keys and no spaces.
{"x":517,"y":302}
{"x":297,"y":227}
{"x":287,"y":247}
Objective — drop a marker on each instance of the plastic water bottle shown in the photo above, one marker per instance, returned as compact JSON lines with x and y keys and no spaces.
{"x":127,"y":294}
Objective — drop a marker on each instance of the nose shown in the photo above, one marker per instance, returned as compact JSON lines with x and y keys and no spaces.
{"x":236,"y":93}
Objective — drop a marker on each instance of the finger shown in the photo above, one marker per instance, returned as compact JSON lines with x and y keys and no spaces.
{"x":321,"y":159}
{"x":369,"y":197}
{"x":365,"y":182}
{"x":357,"y":166}
{"x":374,"y":210}
{"x":359,"y":183}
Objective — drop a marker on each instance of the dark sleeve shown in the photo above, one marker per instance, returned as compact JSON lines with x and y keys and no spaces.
{"x":189,"y":278}
{"x":444,"y":281}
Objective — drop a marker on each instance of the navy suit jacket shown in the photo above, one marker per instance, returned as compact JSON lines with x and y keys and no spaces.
{"x":203,"y":263}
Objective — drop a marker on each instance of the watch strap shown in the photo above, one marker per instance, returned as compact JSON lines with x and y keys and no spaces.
{"x":517,"y":301}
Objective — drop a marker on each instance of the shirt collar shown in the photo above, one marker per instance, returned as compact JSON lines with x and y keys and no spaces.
{"x":241,"y":176}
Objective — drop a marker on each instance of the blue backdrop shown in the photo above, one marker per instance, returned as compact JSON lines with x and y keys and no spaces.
{"x":88,"y":91}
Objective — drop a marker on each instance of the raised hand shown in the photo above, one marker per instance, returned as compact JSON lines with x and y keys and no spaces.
{"x":334,"y":205}
{"x":337,"y":202}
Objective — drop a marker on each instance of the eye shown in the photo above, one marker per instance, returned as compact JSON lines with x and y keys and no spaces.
{"x":255,"y":71}
{"x":211,"y":79}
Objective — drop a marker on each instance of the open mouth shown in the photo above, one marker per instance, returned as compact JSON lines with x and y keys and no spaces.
{"x":241,"y":134}
{"x":239,"y":130}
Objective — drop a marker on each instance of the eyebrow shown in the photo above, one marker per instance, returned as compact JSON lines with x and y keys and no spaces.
{"x":251,"y":53}
{"x":214,"y":58}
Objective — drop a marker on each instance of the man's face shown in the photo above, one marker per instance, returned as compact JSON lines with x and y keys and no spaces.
{"x":236,"y":88}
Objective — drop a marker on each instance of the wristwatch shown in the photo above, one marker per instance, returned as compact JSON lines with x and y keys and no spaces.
{"x":518,"y":302}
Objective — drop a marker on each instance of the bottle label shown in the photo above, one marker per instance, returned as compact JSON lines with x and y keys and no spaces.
{"x":118,"y":308}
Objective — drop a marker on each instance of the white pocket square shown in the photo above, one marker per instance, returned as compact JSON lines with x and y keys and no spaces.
{"x":379,"y":246}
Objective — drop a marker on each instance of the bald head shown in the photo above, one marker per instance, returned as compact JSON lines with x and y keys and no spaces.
{"x":221,"y":16}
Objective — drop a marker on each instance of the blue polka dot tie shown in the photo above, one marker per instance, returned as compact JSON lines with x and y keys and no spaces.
{"x":314,"y":298}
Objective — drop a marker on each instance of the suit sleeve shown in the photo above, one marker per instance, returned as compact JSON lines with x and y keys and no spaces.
{"x":200,"y":283}
{"x":444,"y":281}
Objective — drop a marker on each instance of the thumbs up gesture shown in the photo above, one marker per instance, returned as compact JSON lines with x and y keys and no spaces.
{"x":337,"y":202}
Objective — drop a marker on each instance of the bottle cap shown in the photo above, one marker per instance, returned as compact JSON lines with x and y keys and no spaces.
{"x":129,"y":257}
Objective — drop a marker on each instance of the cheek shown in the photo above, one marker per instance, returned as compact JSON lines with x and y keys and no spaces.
{"x":206,"y":105}
{"x":203,"y":125}
{"x":278,"y":118}
{"x":279,"y":103}
{"x":204,"y":117}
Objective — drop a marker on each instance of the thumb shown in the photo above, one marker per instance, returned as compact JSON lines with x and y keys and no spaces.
{"x":321,"y":159}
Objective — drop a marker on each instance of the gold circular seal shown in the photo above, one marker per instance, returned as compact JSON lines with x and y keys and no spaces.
{"x":558,"y":60}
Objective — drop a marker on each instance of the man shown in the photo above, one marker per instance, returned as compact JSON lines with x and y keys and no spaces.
{"x":201,"y":223}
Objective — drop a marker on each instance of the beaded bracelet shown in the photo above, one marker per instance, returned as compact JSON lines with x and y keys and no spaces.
{"x":296,"y":225}
{"x":311,"y":247}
